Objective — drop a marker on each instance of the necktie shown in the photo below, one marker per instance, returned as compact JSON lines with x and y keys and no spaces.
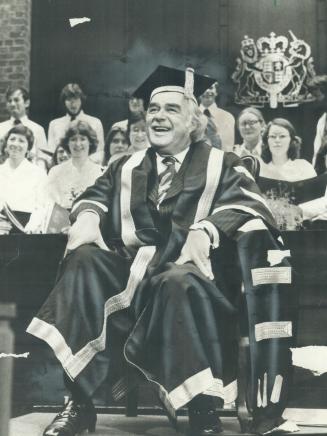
{"x":73,"y":117}
{"x":17,"y":121}
{"x":166,"y":177}
{"x":207,"y":113}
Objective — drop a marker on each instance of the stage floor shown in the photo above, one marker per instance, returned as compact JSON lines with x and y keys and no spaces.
{"x":117,"y":425}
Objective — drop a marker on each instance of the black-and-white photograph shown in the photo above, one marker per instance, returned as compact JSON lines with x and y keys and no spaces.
{"x":163,"y":217}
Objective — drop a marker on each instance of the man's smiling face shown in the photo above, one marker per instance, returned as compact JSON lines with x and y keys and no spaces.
{"x":168,"y":123}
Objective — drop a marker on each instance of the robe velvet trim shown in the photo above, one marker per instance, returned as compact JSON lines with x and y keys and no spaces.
{"x":211,"y":189}
{"x":75,"y":363}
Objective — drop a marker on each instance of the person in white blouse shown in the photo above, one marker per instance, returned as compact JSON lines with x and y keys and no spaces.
{"x":224,"y":121}
{"x":21,"y":181}
{"x":116,"y":145}
{"x":280,"y":149}
{"x":72,"y":98}
{"x":17,"y":102}
{"x":136,"y":132}
{"x":69,"y":179}
{"x":319,"y":88}
{"x":321,"y":136}
{"x":251,"y":124}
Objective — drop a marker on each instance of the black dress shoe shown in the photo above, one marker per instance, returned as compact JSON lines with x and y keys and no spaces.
{"x":74,"y":419}
{"x":204,"y":423}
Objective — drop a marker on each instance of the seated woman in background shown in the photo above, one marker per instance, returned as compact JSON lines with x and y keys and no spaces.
{"x":116,"y":145}
{"x":69,"y":179}
{"x":251,"y":125}
{"x":21,"y":181}
{"x":136,"y":132}
{"x":280,"y":149}
{"x":60,"y":155}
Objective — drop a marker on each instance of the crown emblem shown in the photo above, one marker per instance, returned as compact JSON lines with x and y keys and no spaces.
{"x":273,"y":70}
{"x":272,"y":44}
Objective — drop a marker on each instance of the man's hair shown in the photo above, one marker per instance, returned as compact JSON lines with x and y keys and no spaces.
{"x":293,"y":151}
{"x":254,"y":111}
{"x":71,"y":90}
{"x":109,"y":138}
{"x":80,"y":128}
{"x":20,"y":129}
{"x":11,"y":90}
{"x":197,"y":118}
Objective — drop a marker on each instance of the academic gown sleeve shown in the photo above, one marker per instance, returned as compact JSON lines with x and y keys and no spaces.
{"x":98,"y":197}
{"x":238,"y":199}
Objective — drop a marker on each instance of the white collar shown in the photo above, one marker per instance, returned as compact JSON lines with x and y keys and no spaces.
{"x":255,"y":150}
{"x":80,"y":113}
{"x":22,"y":119}
{"x":179,"y":156}
{"x":24,"y":163}
{"x":213,"y":107}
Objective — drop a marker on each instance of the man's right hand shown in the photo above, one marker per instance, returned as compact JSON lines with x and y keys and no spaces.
{"x":85,"y":230}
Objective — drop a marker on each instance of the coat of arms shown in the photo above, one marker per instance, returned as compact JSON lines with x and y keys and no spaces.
{"x":274,"y":70}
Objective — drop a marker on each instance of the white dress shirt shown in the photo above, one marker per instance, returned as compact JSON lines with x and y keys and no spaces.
{"x":225,"y":124}
{"x":22,"y":187}
{"x":291,"y":171}
{"x":319,"y":135}
{"x":59,"y":126}
{"x":202,"y":225}
{"x":161,"y":167}
{"x":40,"y":140}
{"x":66,"y":182}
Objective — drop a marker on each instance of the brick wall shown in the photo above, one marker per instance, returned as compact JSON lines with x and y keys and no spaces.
{"x":15,"y":47}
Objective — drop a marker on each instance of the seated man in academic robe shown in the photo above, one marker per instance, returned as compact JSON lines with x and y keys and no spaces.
{"x":149,"y":293}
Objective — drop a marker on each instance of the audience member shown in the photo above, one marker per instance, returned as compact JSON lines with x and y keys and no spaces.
{"x":59,"y":156}
{"x":250,"y":124}
{"x":18,"y":101}
{"x":21,"y":181}
{"x":69,"y":179}
{"x":116,"y":145}
{"x":280,"y":147}
{"x":321,"y":159}
{"x":136,"y":131}
{"x":321,"y":132}
{"x":224,"y":120}
{"x":135,"y":106}
{"x":73,"y":98}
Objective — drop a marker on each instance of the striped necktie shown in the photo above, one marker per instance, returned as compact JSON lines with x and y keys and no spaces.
{"x":166,"y":177}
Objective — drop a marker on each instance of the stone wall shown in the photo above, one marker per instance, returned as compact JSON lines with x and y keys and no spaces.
{"x":15,"y":47}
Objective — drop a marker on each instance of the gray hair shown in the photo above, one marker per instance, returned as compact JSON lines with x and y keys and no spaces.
{"x":198,"y":118}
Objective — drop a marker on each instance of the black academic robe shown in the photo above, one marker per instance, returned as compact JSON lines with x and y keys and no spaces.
{"x":133,"y":307}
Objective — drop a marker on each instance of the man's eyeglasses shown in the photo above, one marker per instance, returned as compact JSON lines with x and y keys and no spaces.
{"x":249,"y":123}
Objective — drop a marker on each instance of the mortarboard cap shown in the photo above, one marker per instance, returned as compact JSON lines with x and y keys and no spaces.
{"x":166,"y":79}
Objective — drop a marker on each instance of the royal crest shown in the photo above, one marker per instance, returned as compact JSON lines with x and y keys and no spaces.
{"x":273,"y":70}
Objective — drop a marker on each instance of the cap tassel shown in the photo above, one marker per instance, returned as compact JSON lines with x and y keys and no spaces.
{"x":189,"y":82}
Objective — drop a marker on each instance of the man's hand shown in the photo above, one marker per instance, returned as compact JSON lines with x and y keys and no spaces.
{"x":85,"y":230}
{"x":196,"y":249}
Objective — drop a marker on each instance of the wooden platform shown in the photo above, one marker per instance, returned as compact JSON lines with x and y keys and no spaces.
{"x":117,"y":425}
